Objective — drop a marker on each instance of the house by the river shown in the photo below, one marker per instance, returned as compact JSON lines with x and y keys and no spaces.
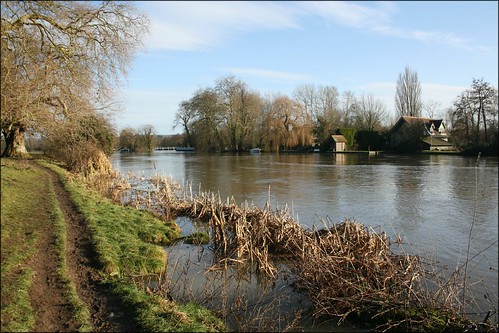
{"x":426,"y":133}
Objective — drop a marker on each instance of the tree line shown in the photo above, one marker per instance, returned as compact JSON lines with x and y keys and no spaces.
{"x":232,"y":117}
{"x":62,"y":63}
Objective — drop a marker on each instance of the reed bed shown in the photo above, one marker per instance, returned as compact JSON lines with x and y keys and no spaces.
{"x":345,"y":269}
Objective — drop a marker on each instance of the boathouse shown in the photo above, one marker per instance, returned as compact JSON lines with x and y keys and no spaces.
{"x":339,"y":143}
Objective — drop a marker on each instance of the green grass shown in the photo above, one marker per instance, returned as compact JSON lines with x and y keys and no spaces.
{"x":157,"y":314}
{"x":197,"y":238}
{"x":19,"y":234}
{"x":28,"y":204}
{"x":129,"y":244}
{"x":17,"y":313}
{"x":126,"y":239}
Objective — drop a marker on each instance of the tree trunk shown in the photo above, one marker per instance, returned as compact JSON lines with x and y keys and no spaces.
{"x":14,"y":143}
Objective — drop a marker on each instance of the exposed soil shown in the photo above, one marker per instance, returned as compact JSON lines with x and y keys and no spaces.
{"x":53,"y":313}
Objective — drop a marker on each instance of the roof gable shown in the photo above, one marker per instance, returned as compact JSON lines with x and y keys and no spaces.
{"x":339,"y":138}
{"x":428,"y":122}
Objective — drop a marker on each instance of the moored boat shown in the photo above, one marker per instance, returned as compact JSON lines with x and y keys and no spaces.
{"x":255,"y":150}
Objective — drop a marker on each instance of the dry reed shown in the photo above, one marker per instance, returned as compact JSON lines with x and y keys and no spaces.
{"x":344,"y":269}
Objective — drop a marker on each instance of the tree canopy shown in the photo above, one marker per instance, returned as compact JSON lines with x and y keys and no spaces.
{"x":62,"y":63}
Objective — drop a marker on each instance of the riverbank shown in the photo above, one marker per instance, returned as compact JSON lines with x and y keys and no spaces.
{"x":65,"y":244}
{"x":121,"y":236}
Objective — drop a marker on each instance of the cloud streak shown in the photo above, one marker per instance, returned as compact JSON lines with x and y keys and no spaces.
{"x":377,"y":19}
{"x":199,"y":26}
{"x":195,"y":26}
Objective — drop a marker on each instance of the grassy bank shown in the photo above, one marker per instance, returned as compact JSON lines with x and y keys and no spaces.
{"x":128,"y":243}
{"x":28,"y":198}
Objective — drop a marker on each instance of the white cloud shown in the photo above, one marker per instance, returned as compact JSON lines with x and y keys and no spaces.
{"x":377,"y":18}
{"x":196,"y":25}
{"x":351,"y":14}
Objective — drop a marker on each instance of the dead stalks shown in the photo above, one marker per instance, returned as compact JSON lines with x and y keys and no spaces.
{"x":345,"y":270}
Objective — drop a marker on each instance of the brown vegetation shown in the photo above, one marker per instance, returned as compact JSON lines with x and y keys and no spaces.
{"x":346,"y":270}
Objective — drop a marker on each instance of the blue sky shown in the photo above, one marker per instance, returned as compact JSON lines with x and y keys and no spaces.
{"x":275,"y":47}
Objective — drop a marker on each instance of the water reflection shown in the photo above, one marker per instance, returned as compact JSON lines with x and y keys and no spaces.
{"x":429,"y":199}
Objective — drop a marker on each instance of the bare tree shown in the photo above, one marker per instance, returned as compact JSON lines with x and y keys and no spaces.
{"x":241,"y":109}
{"x":431,"y":107}
{"x":208,"y":118}
{"x":307,"y":95}
{"x":185,"y":117}
{"x":370,"y":113}
{"x":322,"y":107}
{"x":474,"y":116}
{"x":347,"y":108}
{"x":148,"y":136}
{"x":61,"y":60}
{"x":408,"y":94}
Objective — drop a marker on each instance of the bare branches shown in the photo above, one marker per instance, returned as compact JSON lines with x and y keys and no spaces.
{"x":408,"y":94}
{"x":64,"y":57}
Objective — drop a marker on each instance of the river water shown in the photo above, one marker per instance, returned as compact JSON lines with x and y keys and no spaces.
{"x":434,"y":203}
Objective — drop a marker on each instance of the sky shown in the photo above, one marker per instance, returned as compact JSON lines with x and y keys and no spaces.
{"x":276,"y":46}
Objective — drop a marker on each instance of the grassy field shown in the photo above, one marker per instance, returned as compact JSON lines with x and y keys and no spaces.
{"x":128,"y":243}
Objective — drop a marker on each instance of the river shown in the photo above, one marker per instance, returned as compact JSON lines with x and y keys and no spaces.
{"x":434,"y":203}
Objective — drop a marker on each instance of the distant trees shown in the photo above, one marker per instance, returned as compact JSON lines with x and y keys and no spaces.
{"x":321,"y":104}
{"x":148,"y":137}
{"x":128,"y":139}
{"x":144,"y":138}
{"x":474,"y":117}
{"x":288,"y":125}
{"x":231,"y":116}
{"x":408,"y":94}
{"x":239,"y":108}
{"x":203,"y":117}
{"x":224,"y":117}
{"x":61,"y":64}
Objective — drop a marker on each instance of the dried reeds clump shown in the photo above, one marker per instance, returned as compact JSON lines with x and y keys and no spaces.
{"x":344,"y":268}
{"x":351,"y":269}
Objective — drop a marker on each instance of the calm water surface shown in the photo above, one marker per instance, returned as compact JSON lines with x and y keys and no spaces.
{"x":429,"y":200}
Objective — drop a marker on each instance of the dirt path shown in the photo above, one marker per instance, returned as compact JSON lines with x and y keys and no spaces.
{"x":53,"y":313}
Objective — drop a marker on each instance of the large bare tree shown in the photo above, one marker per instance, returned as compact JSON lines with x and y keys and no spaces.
{"x":241,"y":107}
{"x":408,"y":94}
{"x":370,"y":113}
{"x":61,"y":61}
